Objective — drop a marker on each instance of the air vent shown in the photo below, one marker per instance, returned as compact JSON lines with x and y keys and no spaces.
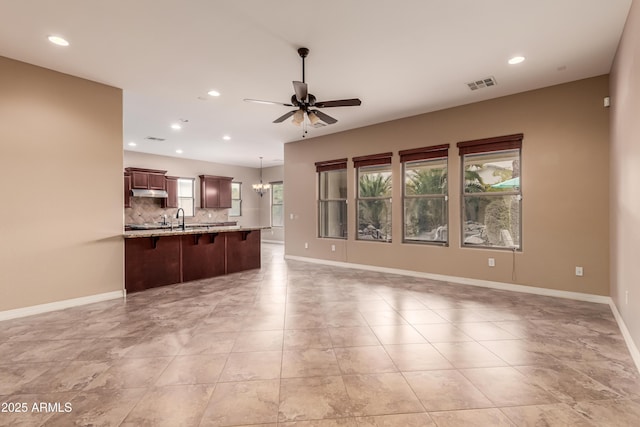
{"x":153,"y":138}
{"x":479,"y":84}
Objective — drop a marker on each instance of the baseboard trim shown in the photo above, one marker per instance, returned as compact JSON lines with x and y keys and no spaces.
{"x":631,"y":345}
{"x":59,"y":305}
{"x":276,"y":242}
{"x":462,"y":280}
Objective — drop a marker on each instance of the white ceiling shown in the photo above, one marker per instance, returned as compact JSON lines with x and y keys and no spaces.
{"x":401,"y":58}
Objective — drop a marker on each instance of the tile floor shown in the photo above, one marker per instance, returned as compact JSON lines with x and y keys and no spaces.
{"x":297,"y":344}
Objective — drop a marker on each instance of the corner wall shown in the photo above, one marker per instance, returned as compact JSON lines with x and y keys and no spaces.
{"x":565,"y":170}
{"x":61,"y":163}
{"x":625,"y":175}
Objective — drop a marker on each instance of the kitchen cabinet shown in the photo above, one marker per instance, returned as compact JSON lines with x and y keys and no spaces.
{"x":127,"y":190}
{"x":152,"y":262}
{"x":165,"y":257}
{"x":203,"y":256}
{"x":147,"y":179}
{"x":215,"y":191}
{"x":171,"y":185}
{"x":243,"y":251}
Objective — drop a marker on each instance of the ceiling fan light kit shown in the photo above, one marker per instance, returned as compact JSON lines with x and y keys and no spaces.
{"x":305,"y":101}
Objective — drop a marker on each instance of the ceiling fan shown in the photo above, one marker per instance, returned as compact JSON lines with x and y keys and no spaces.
{"x":307,"y":103}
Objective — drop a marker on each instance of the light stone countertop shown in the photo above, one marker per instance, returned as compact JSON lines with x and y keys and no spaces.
{"x":190,"y":230}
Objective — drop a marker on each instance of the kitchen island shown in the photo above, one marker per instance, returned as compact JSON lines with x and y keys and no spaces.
{"x":167,"y":256}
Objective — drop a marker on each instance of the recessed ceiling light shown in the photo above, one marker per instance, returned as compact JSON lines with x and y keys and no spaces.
{"x":132,"y":144}
{"x":176,"y":126}
{"x":58,"y":40}
{"x":179,"y":151}
{"x":226,"y":137}
{"x":516,"y":60}
{"x":213,"y":93}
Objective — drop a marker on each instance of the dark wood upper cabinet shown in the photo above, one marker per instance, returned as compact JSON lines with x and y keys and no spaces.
{"x":127,"y":190}
{"x":215,"y":191}
{"x":147,"y":179}
{"x":157,"y":181}
{"x":171,"y":184}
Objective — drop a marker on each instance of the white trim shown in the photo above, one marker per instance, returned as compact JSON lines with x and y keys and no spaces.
{"x":59,"y":305}
{"x":633,"y":349}
{"x":601,"y":299}
{"x":277,"y":242}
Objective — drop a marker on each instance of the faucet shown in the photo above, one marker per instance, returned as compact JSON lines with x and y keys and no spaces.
{"x":178,"y":217}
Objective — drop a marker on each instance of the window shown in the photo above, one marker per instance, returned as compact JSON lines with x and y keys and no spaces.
{"x":277,"y":204}
{"x":332,"y":198}
{"x":425,"y":194}
{"x":491,"y":193}
{"x":185,"y":195}
{"x":374,"y":197}
{"x":236,"y":199}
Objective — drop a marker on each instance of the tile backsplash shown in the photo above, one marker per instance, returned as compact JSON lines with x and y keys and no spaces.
{"x":149,"y":210}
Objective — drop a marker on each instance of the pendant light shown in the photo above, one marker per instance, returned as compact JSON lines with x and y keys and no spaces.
{"x":261,"y":188}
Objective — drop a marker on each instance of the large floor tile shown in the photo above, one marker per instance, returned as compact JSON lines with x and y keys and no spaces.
{"x":446,"y":390}
{"x":313,"y":398}
{"x":618,"y":413}
{"x":381,"y":394}
{"x":242,"y":403}
{"x":258,"y":365}
{"x":506,"y":386}
{"x":472,"y":418}
{"x":417,"y":357}
{"x":312,"y":362}
{"x":400,"y":420}
{"x":468,"y":354}
{"x":170,"y":406}
{"x":364,"y":360}
{"x":199,"y":369}
{"x":554,"y":415}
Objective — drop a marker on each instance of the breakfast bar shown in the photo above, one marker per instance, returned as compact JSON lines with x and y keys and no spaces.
{"x":167,"y":256}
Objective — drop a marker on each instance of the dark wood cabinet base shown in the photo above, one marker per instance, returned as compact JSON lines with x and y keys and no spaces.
{"x":165,"y":260}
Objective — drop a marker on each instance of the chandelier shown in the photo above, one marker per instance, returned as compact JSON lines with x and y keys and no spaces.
{"x":261,"y":188}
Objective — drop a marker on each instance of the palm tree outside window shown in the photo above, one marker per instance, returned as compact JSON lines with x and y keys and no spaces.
{"x":374,"y":197}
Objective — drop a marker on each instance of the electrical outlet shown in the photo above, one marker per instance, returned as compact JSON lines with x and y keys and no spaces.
{"x":579,"y":271}
{"x":306,"y":245}
{"x":492,"y":262}
{"x":209,"y":216}
{"x":333,"y":248}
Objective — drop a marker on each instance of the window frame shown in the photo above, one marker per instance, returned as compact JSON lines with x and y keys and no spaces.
{"x":192,"y":198}
{"x":239,"y":200}
{"x":482,"y":147}
{"x":424,"y":154}
{"x":326,"y":167}
{"x":273,"y":184}
{"x":374,"y":160}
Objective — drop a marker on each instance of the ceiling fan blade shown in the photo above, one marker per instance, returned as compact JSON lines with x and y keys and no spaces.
{"x":259,"y":101}
{"x":325,"y":117}
{"x":339,"y":103}
{"x":284,"y":117}
{"x":300,"y":89}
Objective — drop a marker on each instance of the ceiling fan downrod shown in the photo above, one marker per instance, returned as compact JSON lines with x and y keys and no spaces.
{"x":303,"y":52}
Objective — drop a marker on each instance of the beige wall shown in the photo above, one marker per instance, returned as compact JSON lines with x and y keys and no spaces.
{"x":565,"y":187}
{"x":625,"y":174}
{"x":61,"y":163}
{"x":187,"y":168}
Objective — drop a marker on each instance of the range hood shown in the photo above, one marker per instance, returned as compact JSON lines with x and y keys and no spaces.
{"x":159,"y":194}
